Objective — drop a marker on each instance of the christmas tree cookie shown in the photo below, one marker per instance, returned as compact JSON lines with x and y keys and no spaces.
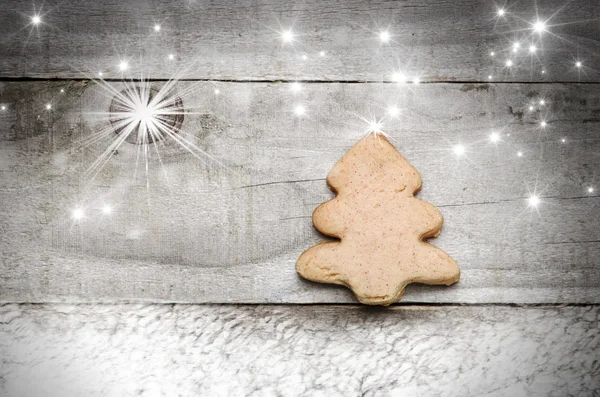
{"x":382,"y":228}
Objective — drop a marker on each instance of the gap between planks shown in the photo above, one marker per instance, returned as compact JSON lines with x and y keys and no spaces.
{"x":351,"y":305}
{"x":287,"y":81}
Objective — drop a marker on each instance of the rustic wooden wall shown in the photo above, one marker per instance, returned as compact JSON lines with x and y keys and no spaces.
{"x":440,"y":40}
{"x":228,"y":228}
{"x":232,"y":231}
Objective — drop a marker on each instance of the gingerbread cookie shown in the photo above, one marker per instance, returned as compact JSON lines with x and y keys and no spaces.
{"x":381,"y":227}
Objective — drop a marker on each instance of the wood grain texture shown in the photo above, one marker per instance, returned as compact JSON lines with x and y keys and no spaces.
{"x":438,"y":40}
{"x":183,"y":350}
{"x":200,"y":232}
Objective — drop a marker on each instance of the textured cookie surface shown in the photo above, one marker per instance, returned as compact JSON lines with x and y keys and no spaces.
{"x":381,"y":227}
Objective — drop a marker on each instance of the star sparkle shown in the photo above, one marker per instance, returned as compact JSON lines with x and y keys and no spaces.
{"x":384,"y":36}
{"x":459,"y":150}
{"x":287,"y":36}
{"x":533,"y":200}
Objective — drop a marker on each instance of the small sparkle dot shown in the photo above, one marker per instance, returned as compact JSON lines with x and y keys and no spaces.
{"x":48,"y":106}
{"x":287,"y":36}
{"x":123,"y":66}
{"x":520,"y":154}
{"x":578,"y":64}
{"x":384,"y":36}
{"x":532,"y":49}
{"x":393,"y":111}
{"x":543,"y":72}
{"x":171,"y":57}
{"x":509,"y":63}
{"x":398,"y":78}
{"x":416,"y":80}
{"x":3,"y":107}
{"x":78,"y":214}
{"x":543,"y":124}
{"x":459,"y":150}
{"x":490,"y":77}
{"x":217,"y":92}
{"x":533,"y":200}
{"x":36,"y":20}
{"x":322,"y":53}
{"x":62,"y":90}
{"x":539,"y":26}
{"x":494,"y":137}
{"x":542,"y":102}
{"x":590,"y":189}
{"x":304,"y":57}
{"x":106,"y":209}
{"x":501,"y":11}
{"x":492,"y":53}
{"x":563,"y":140}
{"x":300,"y":110}
{"x":157,"y":28}
{"x":100,"y":74}
{"x":531,"y":108}
{"x":296,"y":87}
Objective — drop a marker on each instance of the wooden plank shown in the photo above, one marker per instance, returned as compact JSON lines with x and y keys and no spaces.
{"x":192,"y":230}
{"x":437,"y":40}
{"x":298,"y":350}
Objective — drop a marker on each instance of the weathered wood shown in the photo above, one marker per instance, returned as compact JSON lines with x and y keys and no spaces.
{"x":232,"y":232}
{"x":438,"y":40}
{"x":298,"y":351}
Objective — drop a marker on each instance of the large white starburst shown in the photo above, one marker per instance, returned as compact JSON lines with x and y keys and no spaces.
{"x":143,"y":114}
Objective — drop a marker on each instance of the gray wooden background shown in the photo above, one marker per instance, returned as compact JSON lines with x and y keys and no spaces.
{"x":228,"y":226}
